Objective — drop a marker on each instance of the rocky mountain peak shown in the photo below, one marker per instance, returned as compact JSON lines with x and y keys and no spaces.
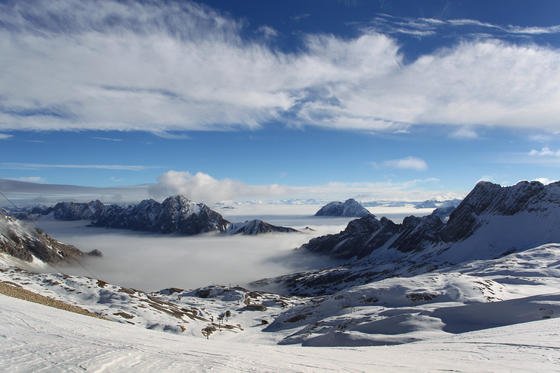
{"x":486,"y":202}
{"x":348,"y":208}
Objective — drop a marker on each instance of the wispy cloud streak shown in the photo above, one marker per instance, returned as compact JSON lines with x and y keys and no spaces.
{"x":175,"y":66}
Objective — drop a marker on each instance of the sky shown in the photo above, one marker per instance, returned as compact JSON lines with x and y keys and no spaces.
{"x":391,"y":100}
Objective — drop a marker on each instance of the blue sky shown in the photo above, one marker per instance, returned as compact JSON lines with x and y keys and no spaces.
{"x":293,"y":99}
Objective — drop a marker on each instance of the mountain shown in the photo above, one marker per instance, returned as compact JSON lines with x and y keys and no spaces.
{"x":486,"y":205}
{"x":77,"y":211}
{"x":492,"y":221}
{"x":175,"y":214}
{"x":348,"y":208}
{"x":256,"y":226}
{"x":28,"y":244}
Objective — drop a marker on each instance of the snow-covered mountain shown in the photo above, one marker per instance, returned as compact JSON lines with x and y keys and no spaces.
{"x":31,"y":245}
{"x":490,"y":222}
{"x":476,"y":295}
{"x":256,"y":226}
{"x":484,"y":211}
{"x":175,"y":214}
{"x":348,"y":208}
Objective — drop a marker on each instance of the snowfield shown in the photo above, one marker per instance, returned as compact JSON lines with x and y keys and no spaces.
{"x":480,"y":292}
{"x":477,"y":295}
{"x":35,"y":337}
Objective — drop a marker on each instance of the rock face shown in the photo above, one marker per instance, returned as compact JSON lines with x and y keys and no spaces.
{"x":254,"y":227}
{"x":175,"y":214}
{"x":77,"y":211}
{"x":482,"y":206}
{"x":25,"y":243}
{"x":348,"y":208}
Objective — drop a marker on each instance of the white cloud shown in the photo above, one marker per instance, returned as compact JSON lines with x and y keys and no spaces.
{"x":540,"y":137}
{"x":31,"y":179}
{"x":205,"y":188}
{"x":544,"y":152}
{"x":31,"y":166}
{"x":109,"y":139}
{"x":4,"y":136}
{"x":268,"y":32}
{"x":544,"y":180}
{"x":464,"y":133}
{"x":429,"y":26}
{"x":407,"y":163}
{"x":183,"y":66}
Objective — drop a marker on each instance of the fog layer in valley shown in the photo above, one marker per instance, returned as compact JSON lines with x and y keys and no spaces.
{"x":153,"y":262}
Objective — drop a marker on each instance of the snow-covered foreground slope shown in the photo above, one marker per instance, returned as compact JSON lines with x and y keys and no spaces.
{"x":34,"y":337}
{"x":518,"y":288}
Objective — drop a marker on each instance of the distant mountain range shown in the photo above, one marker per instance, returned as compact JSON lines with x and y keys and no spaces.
{"x":489,"y":262}
{"x":175,"y":215}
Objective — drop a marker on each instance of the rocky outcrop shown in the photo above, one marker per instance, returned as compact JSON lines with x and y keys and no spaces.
{"x":486,"y":200}
{"x":348,"y":208}
{"x":26,"y":243}
{"x":78,"y":211}
{"x":175,"y":214}
{"x":254,"y":227}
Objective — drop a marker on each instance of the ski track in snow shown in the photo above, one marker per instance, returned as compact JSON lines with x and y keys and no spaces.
{"x":34,"y":337}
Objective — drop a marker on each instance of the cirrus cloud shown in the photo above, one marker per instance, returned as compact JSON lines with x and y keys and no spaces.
{"x":173,"y":66}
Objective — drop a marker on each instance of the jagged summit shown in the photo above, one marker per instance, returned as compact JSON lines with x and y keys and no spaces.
{"x":493,"y":212}
{"x":348,"y":208}
{"x":176,"y":214}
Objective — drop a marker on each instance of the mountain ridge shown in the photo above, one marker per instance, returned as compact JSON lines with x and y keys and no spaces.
{"x":348,"y":208}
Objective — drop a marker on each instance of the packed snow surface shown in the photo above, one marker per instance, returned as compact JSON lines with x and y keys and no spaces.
{"x":34,"y":337}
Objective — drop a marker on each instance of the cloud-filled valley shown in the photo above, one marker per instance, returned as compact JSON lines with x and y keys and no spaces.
{"x":154,"y":262}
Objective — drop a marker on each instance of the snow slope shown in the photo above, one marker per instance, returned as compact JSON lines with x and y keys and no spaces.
{"x":517,"y":288}
{"x":35,"y":337}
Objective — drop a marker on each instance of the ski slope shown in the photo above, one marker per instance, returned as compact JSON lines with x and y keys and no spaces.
{"x":34,"y":337}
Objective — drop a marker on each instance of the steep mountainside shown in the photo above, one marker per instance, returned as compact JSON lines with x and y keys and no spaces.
{"x":492,"y":221}
{"x":348,"y":208}
{"x":175,"y":214}
{"x":485,"y":207}
{"x":28,"y":243}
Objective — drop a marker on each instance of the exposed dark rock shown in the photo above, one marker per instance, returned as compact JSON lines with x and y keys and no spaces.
{"x":175,"y":214}
{"x":362,"y":236}
{"x":77,"y":211}
{"x":25,"y":242}
{"x":253,"y":227}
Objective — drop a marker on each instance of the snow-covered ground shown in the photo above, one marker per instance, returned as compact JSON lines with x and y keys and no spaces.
{"x":518,"y":288}
{"x":34,"y":337}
